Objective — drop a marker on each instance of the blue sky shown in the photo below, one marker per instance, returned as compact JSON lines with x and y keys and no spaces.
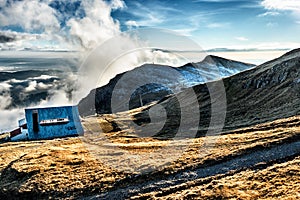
{"x":240,"y":24}
{"x":217,"y":23}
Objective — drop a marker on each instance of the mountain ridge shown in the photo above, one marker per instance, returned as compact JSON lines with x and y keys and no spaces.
{"x":211,"y":68}
{"x":267,"y":92}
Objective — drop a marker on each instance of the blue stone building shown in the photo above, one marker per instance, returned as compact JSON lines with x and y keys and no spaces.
{"x":53,"y":122}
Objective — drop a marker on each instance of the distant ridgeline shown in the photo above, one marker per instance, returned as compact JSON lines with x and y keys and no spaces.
{"x":261,"y":94}
{"x":99,"y":99}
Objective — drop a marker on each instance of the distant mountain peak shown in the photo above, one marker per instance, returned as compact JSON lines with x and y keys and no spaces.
{"x":261,"y":94}
{"x":191,"y":74}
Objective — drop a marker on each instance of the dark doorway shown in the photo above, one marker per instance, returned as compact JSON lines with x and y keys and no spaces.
{"x":35,"y":121}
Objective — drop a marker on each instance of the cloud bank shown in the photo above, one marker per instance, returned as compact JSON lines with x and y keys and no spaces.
{"x":45,"y":21}
{"x":46,"y":24}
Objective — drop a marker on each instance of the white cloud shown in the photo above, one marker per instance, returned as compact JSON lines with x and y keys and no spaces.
{"x":57,"y":98}
{"x":8,"y":118}
{"x":38,"y":16}
{"x":272,"y":24}
{"x":5,"y":98}
{"x":149,"y":17}
{"x":292,"y":5}
{"x":43,"y":77}
{"x":185,"y":31}
{"x":4,"y":86}
{"x":97,"y":26}
{"x":267,"y":45}
{"x":269,"y":13}
{"x":242,"y":38}
{"x":117,"y":4}
{"x":217,"y":25}
{"x":43,"y":86}
{"x":2,"y":3}
{"x":20,"y":41}
{"x":31,"y":86}
{"x":131,"y":24}
{"x":35,"y":86}
{"x":16,"y":81}
{"x":31,"y":15}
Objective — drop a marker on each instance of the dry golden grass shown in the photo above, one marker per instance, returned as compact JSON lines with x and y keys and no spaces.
{"x":61,"y":166}
{"x":67,"y":168}
{"x":280,"y":181}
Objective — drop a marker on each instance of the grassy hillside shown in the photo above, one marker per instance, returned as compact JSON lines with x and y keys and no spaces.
{"x":66,"y":168}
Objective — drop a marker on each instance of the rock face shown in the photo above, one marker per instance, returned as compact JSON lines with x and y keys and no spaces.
{"x":164,"y":81}
{"x":262,"y":94}
{"x":268,"y":92}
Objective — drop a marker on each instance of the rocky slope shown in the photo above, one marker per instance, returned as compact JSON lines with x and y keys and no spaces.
{"x":164,"y":81}
{"x":265,"y":93}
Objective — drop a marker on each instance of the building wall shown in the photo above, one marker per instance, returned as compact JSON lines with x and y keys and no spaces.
{"x":22,"y":136}
{"x":73,"y":127}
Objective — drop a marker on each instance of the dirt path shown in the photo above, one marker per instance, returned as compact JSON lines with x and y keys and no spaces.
{"x":245,"y":161}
